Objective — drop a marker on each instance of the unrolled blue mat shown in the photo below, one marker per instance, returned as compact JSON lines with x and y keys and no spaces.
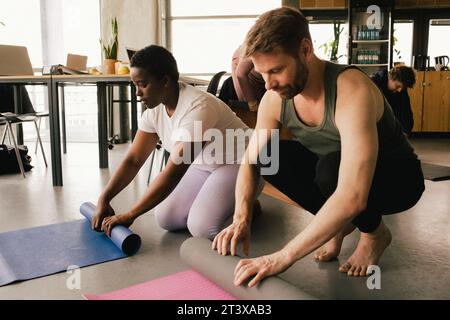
{"x":36,"y":252}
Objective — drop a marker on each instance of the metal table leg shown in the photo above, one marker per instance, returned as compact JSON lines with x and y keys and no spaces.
{"x":102,"y":125}
{"x":55,"y":139}
{"x":63,"y":120}
{"x":133,"y":112}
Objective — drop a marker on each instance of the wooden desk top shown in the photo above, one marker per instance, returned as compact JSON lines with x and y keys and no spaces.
{"x":114,"y":78}
{"x":24,"y":79}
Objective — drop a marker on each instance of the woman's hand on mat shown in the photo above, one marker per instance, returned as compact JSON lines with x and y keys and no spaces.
{"x":232,"y":235}
{"x":119,"y":219}
{"x":102,"y":211}
{"x":261,"y":267}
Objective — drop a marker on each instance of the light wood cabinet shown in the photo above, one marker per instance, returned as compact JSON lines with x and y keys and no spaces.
{"x":436,"y":102}
{"x":322,"y":4}
{"x":416,"y":98}
{"x":430,"y":101}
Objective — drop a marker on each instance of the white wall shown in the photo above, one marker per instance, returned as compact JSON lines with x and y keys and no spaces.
{"x":137,"y":22}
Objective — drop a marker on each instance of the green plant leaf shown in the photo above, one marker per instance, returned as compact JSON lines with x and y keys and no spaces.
{"x":110,"y":50}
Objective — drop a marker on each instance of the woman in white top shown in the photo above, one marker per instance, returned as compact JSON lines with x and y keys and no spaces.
{"x":196,"y":189}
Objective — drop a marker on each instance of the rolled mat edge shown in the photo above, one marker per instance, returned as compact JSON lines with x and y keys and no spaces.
{"x":198,"y":254}
{"x":121,"y":236}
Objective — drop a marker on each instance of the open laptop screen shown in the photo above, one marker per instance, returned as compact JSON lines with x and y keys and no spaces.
{"x":76,"y":62}
{"x":130,"y":53}
{"x":15,"y":61}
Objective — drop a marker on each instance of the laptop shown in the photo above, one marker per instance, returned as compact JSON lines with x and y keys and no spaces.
{"x":76,"y":62}
{"x":15,"y":61}
{"x":75,"y":65}
{"x":130,"y":52}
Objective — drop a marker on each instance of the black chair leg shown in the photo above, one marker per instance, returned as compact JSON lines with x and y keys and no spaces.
{"x":151,"y":166}
{"x":16,"y":149}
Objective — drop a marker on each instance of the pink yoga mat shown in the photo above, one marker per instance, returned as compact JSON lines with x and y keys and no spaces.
{"x":185,"y":285}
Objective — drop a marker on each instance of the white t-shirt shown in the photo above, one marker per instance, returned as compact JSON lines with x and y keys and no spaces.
{"x":199,"y":116}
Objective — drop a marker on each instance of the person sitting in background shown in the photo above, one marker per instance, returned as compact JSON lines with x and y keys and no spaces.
{"x":249,"y":84}
{"x":7,"y":99}
{"x":394,"y":86}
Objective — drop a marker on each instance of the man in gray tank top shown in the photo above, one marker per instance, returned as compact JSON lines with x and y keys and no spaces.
{"x":348,"y":164}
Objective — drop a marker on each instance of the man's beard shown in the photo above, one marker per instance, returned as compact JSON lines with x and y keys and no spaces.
{"x":301,"y":77}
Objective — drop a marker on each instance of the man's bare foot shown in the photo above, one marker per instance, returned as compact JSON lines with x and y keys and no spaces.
{"x":368,"y":252}
{"x":332,"y":248}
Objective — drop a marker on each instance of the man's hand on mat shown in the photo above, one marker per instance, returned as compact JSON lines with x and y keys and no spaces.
{"x":102,"y":211}
{"x":120,"y":219}
{"x":237,"y":231}
{"x":260,"y":268}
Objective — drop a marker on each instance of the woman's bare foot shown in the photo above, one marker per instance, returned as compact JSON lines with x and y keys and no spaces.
{"x":332,"y":248}
{"x":368,"y":252}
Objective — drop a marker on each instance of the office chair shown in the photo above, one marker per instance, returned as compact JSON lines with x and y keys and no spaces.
{"x":9,"y":119}
{"x":214,"y":83}
{"x":7,"y":105}
{"x":165,"y":158}
{"x":39,"y":116}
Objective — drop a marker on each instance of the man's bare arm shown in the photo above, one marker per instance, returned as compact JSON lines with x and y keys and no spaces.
{"x":247,"y":179}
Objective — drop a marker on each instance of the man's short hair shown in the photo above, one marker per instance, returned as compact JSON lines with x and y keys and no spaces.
{"x":404,"y":74}
{"x":281,"y":28}
{"x":157,"y":61}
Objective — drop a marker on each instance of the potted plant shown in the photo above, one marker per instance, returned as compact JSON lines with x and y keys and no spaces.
{"x":331,"y":47}
{"x":398,"y":54}
{"x":110,"y":50}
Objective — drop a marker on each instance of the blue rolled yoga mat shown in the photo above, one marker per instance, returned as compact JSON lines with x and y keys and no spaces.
{"x":36,"y":252}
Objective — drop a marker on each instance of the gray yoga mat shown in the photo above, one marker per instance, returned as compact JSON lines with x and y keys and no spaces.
{"x":198,"y":254}
{"x":435,"y":173}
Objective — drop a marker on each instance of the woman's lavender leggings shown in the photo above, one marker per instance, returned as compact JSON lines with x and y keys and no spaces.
{"x":203,"y":201}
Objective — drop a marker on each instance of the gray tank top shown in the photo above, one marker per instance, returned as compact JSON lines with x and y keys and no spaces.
{"x":325,"y":138}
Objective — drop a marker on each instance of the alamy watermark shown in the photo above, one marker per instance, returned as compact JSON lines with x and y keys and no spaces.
{"x":229,"y":147}
{"x":374,"y":280}
{"x":73,"y":282}
{"x":374,"y":20}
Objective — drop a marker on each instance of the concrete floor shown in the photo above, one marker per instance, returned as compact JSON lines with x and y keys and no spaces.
{"x":415,"y":266}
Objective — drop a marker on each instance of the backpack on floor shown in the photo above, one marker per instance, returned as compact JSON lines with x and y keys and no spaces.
{"x":8,"y":159}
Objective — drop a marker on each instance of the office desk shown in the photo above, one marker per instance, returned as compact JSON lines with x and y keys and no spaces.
{"x":101,"y":81}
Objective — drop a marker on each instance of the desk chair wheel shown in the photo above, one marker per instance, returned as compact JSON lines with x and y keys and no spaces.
{"x":112,"y":141}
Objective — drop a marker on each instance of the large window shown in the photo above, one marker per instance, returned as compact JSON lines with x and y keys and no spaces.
{"x":50,"y":30}
{"x":322,"y":34}
{"x":22,"y":27}
{"x":204,"y":33}
{"x":403,"y":41}
{"x":438,"y":39}
{"x":71,"y":27}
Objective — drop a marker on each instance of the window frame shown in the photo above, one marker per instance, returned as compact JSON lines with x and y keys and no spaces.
{"x":412,"y":42}
{"x":421,"y":18}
